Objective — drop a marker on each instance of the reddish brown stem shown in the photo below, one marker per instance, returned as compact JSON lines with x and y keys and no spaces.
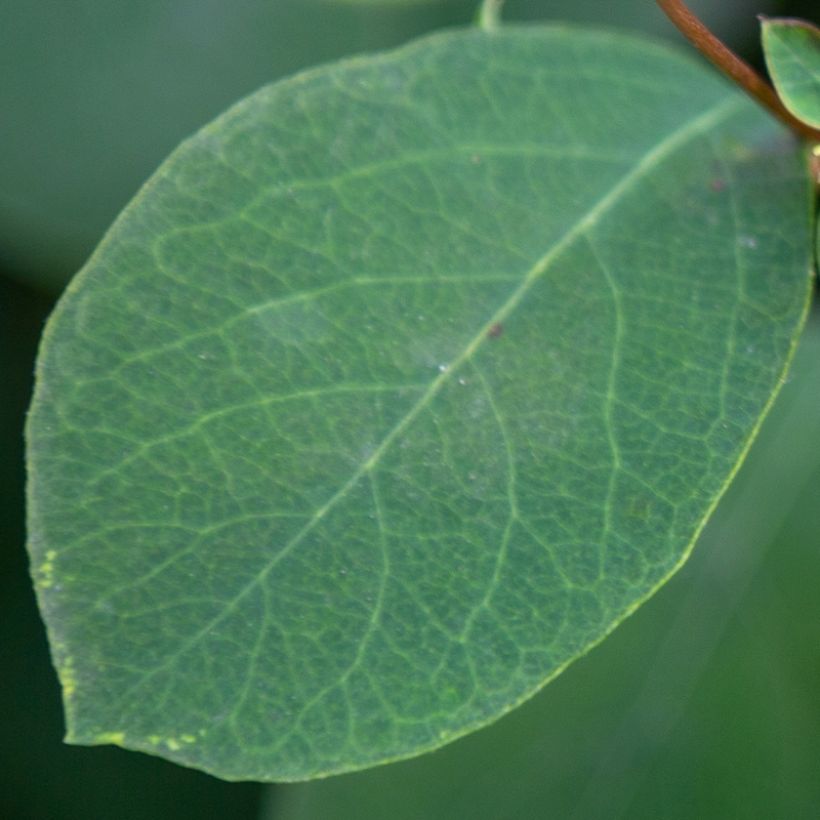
{"x":733,"y":66}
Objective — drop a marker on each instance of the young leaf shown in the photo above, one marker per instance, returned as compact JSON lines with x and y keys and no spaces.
{"x":398,"y":387}
{"x":792,"y":49}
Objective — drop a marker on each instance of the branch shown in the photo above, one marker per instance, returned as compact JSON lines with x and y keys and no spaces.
{"x":733,"y":66}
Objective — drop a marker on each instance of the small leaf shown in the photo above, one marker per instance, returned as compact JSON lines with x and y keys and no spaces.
{"x":792,"y":49}
{"x":398,"y":387}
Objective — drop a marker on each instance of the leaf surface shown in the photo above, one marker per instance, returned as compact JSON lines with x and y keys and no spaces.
{"x":792,"y":50}
{"x":398,"y":387}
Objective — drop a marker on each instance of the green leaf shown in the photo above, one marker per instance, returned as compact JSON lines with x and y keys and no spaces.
{"x":792,"y":49}
{"x":398,"y":387}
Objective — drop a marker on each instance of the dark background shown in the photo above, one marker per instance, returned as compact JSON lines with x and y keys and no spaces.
{"x":705,"y":704}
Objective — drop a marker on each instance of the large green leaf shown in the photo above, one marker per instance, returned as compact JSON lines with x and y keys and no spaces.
{"x":398,"y":387}
{"x":792,"y":49}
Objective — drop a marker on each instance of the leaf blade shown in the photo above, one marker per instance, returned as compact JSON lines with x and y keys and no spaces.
{"x":283,"y":415}
{"x":792,"y":50}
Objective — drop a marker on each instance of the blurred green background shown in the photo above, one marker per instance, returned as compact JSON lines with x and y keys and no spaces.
{"x":705,"y":704}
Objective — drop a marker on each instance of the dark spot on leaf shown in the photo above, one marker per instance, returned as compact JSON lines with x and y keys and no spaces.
{"x":717,"y":184}
{"x":495,"y":330}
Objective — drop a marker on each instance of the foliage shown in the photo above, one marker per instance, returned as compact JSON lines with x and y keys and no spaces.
{"x":793,"y":56}
{"x":333,"y":511}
